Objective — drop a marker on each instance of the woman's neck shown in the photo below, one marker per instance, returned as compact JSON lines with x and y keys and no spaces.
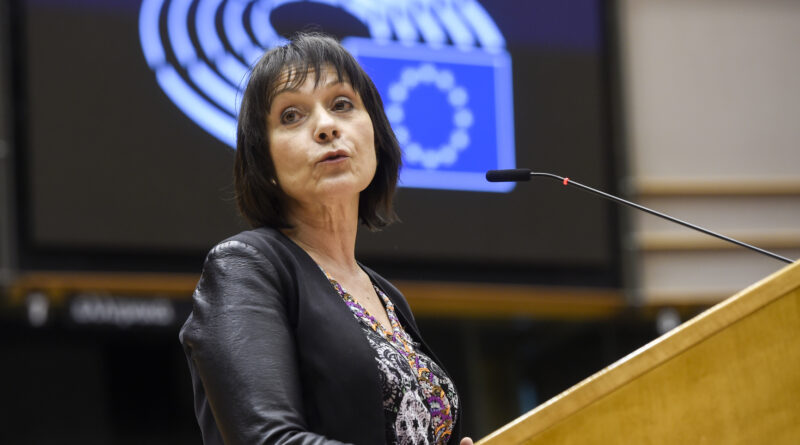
{"x":327,"y":233}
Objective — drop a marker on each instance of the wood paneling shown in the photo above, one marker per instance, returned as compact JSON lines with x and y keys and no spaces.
{"x":727,"y":376}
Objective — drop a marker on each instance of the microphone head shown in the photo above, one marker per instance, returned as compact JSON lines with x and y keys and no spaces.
{"x":510,"y":175}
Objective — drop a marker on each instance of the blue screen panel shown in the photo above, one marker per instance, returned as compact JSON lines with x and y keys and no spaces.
{"x":450,"y":105}
{"x":451,"y":110}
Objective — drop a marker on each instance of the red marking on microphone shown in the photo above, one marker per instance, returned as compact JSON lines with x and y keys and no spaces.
{"x":566,"y":181}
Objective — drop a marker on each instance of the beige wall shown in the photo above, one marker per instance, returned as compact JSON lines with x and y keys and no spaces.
{"x":712,"y":100}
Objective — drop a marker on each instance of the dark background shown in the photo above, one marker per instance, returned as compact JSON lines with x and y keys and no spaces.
{"x":66,"y":384}
{"x":111,"y":168}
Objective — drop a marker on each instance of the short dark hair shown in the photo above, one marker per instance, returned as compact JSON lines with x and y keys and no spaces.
{"x":259,"y":198}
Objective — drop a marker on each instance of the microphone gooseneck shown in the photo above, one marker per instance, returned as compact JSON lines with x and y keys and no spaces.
{"x":517,"y":174}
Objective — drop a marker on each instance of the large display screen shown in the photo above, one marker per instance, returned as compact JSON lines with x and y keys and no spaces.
{"x":127,"y":113}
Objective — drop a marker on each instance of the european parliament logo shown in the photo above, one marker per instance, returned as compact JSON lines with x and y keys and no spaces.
{"x":441,"y":68}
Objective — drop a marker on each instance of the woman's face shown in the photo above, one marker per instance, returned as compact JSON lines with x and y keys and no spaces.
{"x":321,"y":141}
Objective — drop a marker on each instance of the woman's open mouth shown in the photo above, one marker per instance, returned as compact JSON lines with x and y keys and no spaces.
{"x":334,"y":157}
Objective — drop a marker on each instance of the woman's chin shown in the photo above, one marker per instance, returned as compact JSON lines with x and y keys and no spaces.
{"x":341,"y":186}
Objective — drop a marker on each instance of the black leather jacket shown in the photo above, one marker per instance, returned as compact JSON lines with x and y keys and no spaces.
{"x":275,"y":356}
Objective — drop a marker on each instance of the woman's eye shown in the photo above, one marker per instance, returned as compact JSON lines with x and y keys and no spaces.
{"x":290,"y":115}
{"x":342,"y":104}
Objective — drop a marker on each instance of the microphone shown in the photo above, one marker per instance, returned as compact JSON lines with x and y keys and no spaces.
{"x":512,"y":175}
{"x":525,"y":174}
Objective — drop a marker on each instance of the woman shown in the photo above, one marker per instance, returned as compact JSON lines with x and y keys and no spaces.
{"x":291,"y":340}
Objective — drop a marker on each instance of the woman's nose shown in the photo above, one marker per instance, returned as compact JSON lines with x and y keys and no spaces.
{"x":326,"y":129}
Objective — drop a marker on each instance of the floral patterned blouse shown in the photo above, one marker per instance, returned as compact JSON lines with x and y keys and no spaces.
{"x":420,"y":403}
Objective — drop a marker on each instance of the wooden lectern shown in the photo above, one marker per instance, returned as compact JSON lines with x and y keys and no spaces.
{"x":731,"y":375}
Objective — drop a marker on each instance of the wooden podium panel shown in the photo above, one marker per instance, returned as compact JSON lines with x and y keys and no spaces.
{"x":731,"y":375}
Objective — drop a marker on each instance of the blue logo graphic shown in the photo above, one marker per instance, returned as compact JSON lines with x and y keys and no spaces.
{"x":441,"y":68}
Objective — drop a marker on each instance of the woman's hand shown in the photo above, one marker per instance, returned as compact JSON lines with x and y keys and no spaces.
{"x":466,"y":441}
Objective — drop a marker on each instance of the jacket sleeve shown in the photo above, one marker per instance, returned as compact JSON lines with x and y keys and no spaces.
{"x":241,"y":350}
